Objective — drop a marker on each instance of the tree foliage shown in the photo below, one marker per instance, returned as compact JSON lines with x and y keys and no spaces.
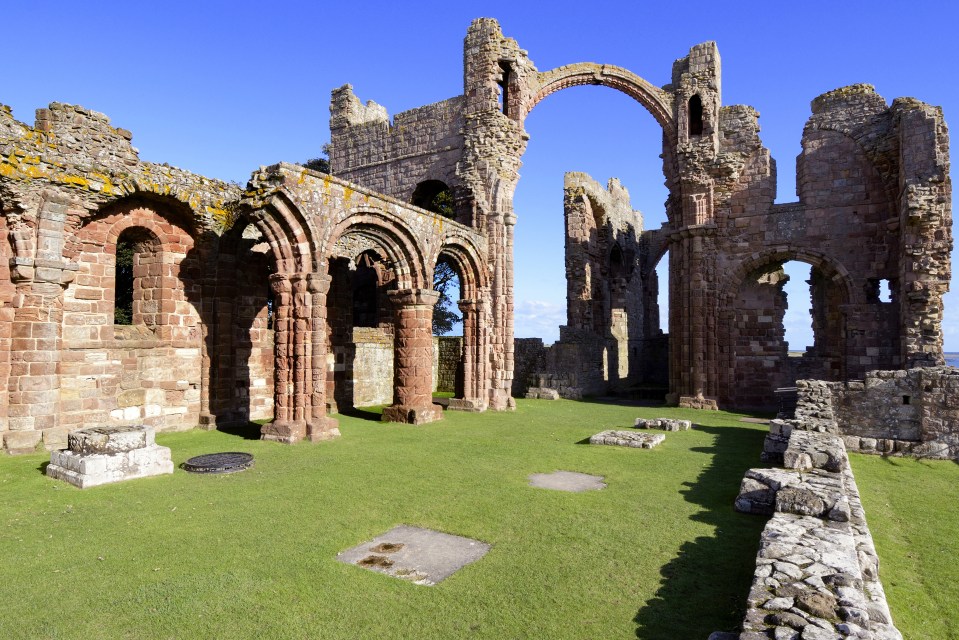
{"x":123,"y":290}
{"x":444,"y":316}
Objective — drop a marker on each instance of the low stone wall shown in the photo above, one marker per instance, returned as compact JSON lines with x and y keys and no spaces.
{"x":447,"y":354}
{"x":817,"y":572}
{"x":911,"y":412}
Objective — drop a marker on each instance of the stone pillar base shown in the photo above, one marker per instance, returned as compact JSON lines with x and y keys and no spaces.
{"x":465,"y":404}
{"x":698,"y":402}
{"x":285,"y":432}
{"x":109,"y":454}
{"x":322,"y":429}
{"x":413,"y":415}
{"x":211,"y":422}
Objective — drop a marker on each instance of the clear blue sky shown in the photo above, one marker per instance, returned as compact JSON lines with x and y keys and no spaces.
{"x":223,"y":87}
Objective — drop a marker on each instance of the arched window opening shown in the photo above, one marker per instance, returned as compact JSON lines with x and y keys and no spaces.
{"x":447,"y":281}
{"x":435,"y":196}
{"x":695,"y":115}
{"x":136,"y":297}
{"x":365,"y":288}
{"x":505,"y":78}
{"x":794,"y":306}
{"x":123,"y":289}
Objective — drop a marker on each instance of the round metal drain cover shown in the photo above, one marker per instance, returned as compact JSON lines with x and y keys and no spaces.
{"x":229,"y":462}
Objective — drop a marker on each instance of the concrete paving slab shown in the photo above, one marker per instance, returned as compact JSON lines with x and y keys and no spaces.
{"x":422,"y":556}
{"x":567,"y":481}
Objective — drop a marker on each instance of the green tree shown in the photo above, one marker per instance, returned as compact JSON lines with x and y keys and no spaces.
{"x":444,"y":316}
{"x":321,"y":163}
{"x":123,"y":289}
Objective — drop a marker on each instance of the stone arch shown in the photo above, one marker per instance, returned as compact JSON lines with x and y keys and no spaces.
{"x":425,"y":192}
{"x":391,"y":235}
{"x":470,"y":265}
{"x":832,"y":268}
{"x":754,"y":359}
{"x":653,"y":99}
{"x":291,"y":233}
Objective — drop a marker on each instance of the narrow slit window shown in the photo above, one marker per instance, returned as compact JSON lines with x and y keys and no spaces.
{"x":695,"y":116}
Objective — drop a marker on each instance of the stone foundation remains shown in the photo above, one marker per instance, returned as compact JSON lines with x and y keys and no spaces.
{"x":817,"y":571}
{"x":628,"y":439}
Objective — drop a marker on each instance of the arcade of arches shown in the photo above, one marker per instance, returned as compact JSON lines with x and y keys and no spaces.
{"x":253,"y":303}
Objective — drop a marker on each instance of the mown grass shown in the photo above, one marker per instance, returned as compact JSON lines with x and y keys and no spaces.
{"x":912,"y":507}
{"x":659,"y":554}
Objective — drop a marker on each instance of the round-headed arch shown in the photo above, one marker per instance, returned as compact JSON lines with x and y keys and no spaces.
{"x":466,"y":259}
{"x":390,"y":235}
{"x":654,"y":99}
{"x":829,"y":267}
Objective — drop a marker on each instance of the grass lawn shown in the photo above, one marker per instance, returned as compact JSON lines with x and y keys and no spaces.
{"x":659,"y":554}
{"x":912,"y":507}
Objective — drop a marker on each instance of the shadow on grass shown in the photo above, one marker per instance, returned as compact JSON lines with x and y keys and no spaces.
{"x":622,"y":401}
{"x":248,"y":431}
{"x":43,"y":467}
{"x":705,"y":586}
{"x":362,"y":414}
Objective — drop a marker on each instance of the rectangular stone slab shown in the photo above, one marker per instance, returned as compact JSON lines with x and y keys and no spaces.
{"x":110,"y":439}
{"x":422,"y":556}
{"x":628,"y":439}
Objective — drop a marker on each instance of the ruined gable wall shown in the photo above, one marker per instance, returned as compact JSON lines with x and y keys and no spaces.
{"x":846,"y":224}
{"x":392,"y":158}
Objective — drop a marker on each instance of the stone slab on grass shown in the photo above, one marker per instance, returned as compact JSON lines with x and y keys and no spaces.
{"x":567,"y":481}
{"x":666,"y":424}
{"x":422,"y":556}
{"x":628,"y":439}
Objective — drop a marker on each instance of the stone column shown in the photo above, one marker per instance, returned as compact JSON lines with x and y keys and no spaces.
{"x":301,"y":346}
{"x":283,"y":428}
{"x":319,"y":426}
{"x":413,"y":358}
{"x":475,"y":391}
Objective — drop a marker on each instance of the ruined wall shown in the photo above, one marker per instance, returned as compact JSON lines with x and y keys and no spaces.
{"x":393,"y":157}
{"x":448,"y":352}
{"x":71,"y":185}
{"x":911,"y":412}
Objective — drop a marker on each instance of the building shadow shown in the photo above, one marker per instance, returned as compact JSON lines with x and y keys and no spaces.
{"x":704,"y":588}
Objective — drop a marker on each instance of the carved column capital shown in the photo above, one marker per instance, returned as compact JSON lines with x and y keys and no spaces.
{"x":414,"y":297}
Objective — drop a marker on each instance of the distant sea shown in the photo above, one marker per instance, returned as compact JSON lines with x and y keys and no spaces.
{"x":952,"y":359}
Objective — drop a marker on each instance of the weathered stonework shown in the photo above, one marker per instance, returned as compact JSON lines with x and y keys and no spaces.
{"x":817,"y":571}
{"x":109,"y":454}
{"x":913,"y":412}
{"x":628,"y":439}
{"x":666,"y":424}
{"x":245,"y":301}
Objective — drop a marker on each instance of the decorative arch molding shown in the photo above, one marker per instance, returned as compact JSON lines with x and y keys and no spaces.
{"x":392,"y":236}
{"x":468,"y":262}
{"x":655,"y":100}
{"x":291,"y":234}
